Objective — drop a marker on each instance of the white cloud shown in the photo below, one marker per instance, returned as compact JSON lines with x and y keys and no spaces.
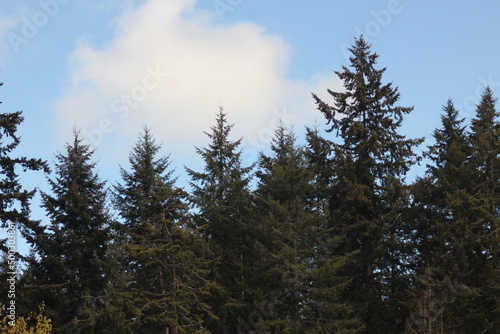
{"x":113,"y":91}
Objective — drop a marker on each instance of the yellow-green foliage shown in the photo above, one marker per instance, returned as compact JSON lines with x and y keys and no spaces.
{"x":35,"y":323}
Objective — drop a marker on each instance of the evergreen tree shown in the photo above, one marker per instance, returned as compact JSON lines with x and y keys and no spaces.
{"x":221,"y":198}
{"x":484,"y":250}
{"x":440,"y":226}
{"x":459,"y":206}
{"x":14,"y":200}
{"x":368,"y":194}
{"x":14,"y":203}
{"x":446,"y":174}
{"x":68,"y":269}
{"x":327,"y":310}
{"x":166,"y":294}
{"x":282,"y":251}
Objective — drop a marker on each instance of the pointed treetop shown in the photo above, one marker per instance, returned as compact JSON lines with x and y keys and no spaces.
{"x":366,"y":99}
{"x":485,"y":133}
{"x":144,"y":152}
{"x":486,"y":111}
{"x":283,"y":141}
{"x":452,"y":124}
{"x":221,"y":129}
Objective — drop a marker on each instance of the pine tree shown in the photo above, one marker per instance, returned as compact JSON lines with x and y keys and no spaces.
{"x":166,"y":294}
{"x":68,"y":268}
{"x":485,"y":223}
{"x":14,"y":202}
{"x":283,"y":223}
{"x":458,"y":201}
{"x":440,"y":225}
{"x":446,"y":174}
{"x":327,"y":310}
{"x":221,"y":199}
{"x":368,"y":194}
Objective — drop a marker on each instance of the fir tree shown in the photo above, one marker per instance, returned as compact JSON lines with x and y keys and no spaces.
{"x":14,"y":202}
{"x":68,"y":269}
{"x":439,"y":226}
{"x":484,"y":249}
{"x":221,"y":199}
{"x":164,"y":257}
{"x":283,"y":224}
{"x":458,"y":202}
{"x":327,"y":310}
{"x":446,"y":174}
{"x":368,"y":193}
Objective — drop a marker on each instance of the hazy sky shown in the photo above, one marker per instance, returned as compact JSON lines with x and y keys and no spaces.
{"x":110,"y":67}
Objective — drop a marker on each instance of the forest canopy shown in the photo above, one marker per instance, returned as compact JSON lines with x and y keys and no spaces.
{"x":320,"y":235}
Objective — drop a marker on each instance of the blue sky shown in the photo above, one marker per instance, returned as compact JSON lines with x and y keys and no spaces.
{"x":110,"y":67}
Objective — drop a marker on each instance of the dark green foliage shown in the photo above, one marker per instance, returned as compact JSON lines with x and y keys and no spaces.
{"x":168,"y":286}
{"x":68,"y":270}
{"x":221,"y":198}
{"x":368,"y":195}
{"x":14,"y":201}
{"x":283,"y":228}
{"x":484,"y":249}
{"x":330,"y":238}
{"x":438,"y":231}
{"x":447,"y":173}
{"x":327,"y":311}
{"x":458,"y":204}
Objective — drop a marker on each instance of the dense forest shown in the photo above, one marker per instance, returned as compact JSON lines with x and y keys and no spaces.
{"x":328,"y":236}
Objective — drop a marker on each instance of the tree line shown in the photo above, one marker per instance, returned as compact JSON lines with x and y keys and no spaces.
{"x":328,"y":236}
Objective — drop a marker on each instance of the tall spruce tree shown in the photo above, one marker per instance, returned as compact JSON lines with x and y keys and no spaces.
{"x":14,"y":202}
{"x":484,"y":250}
{"x":164,"y":257}
{"x":68,"y":270}
{"x":327,"y":310}
{"x":440,"y":226}
{"x":221,"y":199}
{"x":446,"y":174}
{"x":282,"y":240}
{"x":368,"y":194}
{"x":458,"y":209}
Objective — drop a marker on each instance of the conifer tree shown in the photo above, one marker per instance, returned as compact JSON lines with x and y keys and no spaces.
{"x":368,"y":193}
{"x":221,"y":198}
{"x":68,"y":268}
{"x":166,"y":294}
{"x":283,"y":223}
{"x":458,"y":202}
{"x":446,"y":174}
{"x":484,"y":250}
{"x":14,"y":200}
{"x":327,"y":309}
{"x":440,"y":225}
